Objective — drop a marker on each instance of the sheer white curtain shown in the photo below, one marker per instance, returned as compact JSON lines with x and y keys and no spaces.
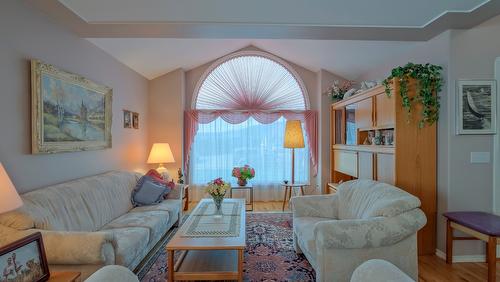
{"x":219,"y":146}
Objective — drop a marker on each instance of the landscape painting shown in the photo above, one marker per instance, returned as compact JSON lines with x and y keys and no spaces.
{"x":70,"y":113}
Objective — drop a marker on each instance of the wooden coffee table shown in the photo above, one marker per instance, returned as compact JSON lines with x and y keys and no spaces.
{"x":207,"y":258}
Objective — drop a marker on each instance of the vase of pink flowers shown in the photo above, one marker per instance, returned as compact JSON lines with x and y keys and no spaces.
{"x":217,"y":188}
{"x":243,"y":174}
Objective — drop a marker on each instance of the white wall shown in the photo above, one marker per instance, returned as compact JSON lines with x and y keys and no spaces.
{"x":325,"y":80}
{"x":166,"y":111}
{"x":25,"y":34}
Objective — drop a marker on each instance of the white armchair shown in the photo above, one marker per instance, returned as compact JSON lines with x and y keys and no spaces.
{"x":364,"y":220}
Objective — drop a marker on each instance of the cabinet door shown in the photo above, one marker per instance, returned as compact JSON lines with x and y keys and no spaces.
{"x":364,"y":113}
{"x":385,"y":168}
{"x":346,"y":162}
{"x":385,"y":110}
{"x":365,"y":165}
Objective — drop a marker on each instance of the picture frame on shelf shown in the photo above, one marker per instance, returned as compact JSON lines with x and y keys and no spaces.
{"x":24,"y":260}
{"x":476,"y":107}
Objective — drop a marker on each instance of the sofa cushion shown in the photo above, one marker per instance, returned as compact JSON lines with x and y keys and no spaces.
{"x":362,"y":199}
{"x":149,"y":191}
{"x":155,"y":221}
{"x":17,"y":219}
{"x":129,"y":243}
{"x":85,"y":204}
{"x":173,"y":207}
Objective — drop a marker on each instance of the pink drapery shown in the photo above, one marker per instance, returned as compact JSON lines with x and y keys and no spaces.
{"x":194,"y":117}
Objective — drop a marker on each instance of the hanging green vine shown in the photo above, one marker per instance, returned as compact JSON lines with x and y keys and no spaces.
{"x":429,"y":83}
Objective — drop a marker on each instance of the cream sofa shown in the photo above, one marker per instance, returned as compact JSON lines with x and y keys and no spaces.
{"x":364,"y":220}
{"x":90,"y":222}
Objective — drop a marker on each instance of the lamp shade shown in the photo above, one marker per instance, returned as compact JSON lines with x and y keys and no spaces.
{"x":293,"y":134}
{"x":160,"y":153}
{"x":9,"y":198}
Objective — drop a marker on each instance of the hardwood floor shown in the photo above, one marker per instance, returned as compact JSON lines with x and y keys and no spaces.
{"x":431,"y":268}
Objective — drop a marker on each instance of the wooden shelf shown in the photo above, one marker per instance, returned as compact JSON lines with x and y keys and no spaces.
{"x":379,"y":127}
{"x":383,"y":149}
{"x":360,"y":96}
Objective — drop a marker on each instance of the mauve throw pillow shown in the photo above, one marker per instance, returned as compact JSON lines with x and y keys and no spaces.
{"x":148,"y":191}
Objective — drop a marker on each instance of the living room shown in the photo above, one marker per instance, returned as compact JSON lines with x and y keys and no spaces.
{"x":282,"y":104}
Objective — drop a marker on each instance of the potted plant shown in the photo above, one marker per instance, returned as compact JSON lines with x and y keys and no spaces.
{"x":243,"y":174}
{"x":429,"y":82}
{"x":217,"y":188}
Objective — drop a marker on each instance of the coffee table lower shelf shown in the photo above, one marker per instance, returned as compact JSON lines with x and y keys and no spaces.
{"x":206,"y":265}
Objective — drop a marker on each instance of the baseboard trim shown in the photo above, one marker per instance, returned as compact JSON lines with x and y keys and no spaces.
{"x":464,"y":258}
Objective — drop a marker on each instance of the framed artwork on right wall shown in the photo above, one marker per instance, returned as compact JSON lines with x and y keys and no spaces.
{"x":476,"y":111}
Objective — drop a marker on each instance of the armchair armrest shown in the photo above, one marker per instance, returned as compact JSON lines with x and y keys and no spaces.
{"x":368,"y":233}
{"x":177,"y":193}
{"x":315,"y":205}
{"x":64,"y":247}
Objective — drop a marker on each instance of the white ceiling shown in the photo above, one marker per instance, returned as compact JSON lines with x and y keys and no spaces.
{"x":381,"y":13}
{"x":346,"y":37}
{"x":153,"y":57}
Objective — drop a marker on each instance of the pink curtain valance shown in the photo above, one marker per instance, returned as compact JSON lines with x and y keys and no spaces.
{"x":194,"y":117}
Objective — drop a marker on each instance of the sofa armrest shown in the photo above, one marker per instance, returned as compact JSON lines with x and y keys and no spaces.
{"x":315,"y":206}
{"x":177,"y":193}
{"x":64,"y":247}
{"x":368,"y":233}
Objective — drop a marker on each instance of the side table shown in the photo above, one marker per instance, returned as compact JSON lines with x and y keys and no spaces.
{"x":185,"y":196}
{"x":248,"y":187}
{"x":289,"y":190}
{"x":65,"y":276}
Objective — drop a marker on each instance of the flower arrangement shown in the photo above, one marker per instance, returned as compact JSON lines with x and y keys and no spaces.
{"x":337,"y":90}
{"x":217,"y":188}
{"x":243,"y":174}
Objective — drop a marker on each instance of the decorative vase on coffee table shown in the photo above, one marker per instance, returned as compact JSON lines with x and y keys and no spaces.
{"x":218,"y":205}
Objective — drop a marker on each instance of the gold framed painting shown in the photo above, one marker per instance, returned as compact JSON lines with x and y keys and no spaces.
{"x":69,"y":112}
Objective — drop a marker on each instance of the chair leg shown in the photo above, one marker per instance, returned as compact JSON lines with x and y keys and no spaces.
{"x":449,"y":242}
{"x":492,"y":259}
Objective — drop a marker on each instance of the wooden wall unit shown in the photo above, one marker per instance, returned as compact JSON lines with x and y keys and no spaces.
{"x":410,"y":163}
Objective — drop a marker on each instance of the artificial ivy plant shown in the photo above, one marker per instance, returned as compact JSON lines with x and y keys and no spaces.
{"x":429,"y":81}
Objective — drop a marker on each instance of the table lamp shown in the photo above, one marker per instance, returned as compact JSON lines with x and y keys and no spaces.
{"x":293,"y":139}
{"x":9,"y":199}
{"x":161,"y":154}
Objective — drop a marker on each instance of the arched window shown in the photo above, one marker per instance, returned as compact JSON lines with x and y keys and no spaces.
{"x":250,"y":82}
{"x":240,"y":107}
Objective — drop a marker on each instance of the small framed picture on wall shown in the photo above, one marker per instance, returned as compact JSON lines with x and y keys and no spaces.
{"x":127,"y":119}
{"x":476,"y":112}
{"x":135,"y":120}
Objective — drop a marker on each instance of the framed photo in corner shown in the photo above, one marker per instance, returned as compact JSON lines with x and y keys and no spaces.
{"x":24,"y":260}
{"x":476,"y":109}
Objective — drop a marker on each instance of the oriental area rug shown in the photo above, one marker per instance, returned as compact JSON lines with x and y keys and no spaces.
{"x":269,"y":255}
